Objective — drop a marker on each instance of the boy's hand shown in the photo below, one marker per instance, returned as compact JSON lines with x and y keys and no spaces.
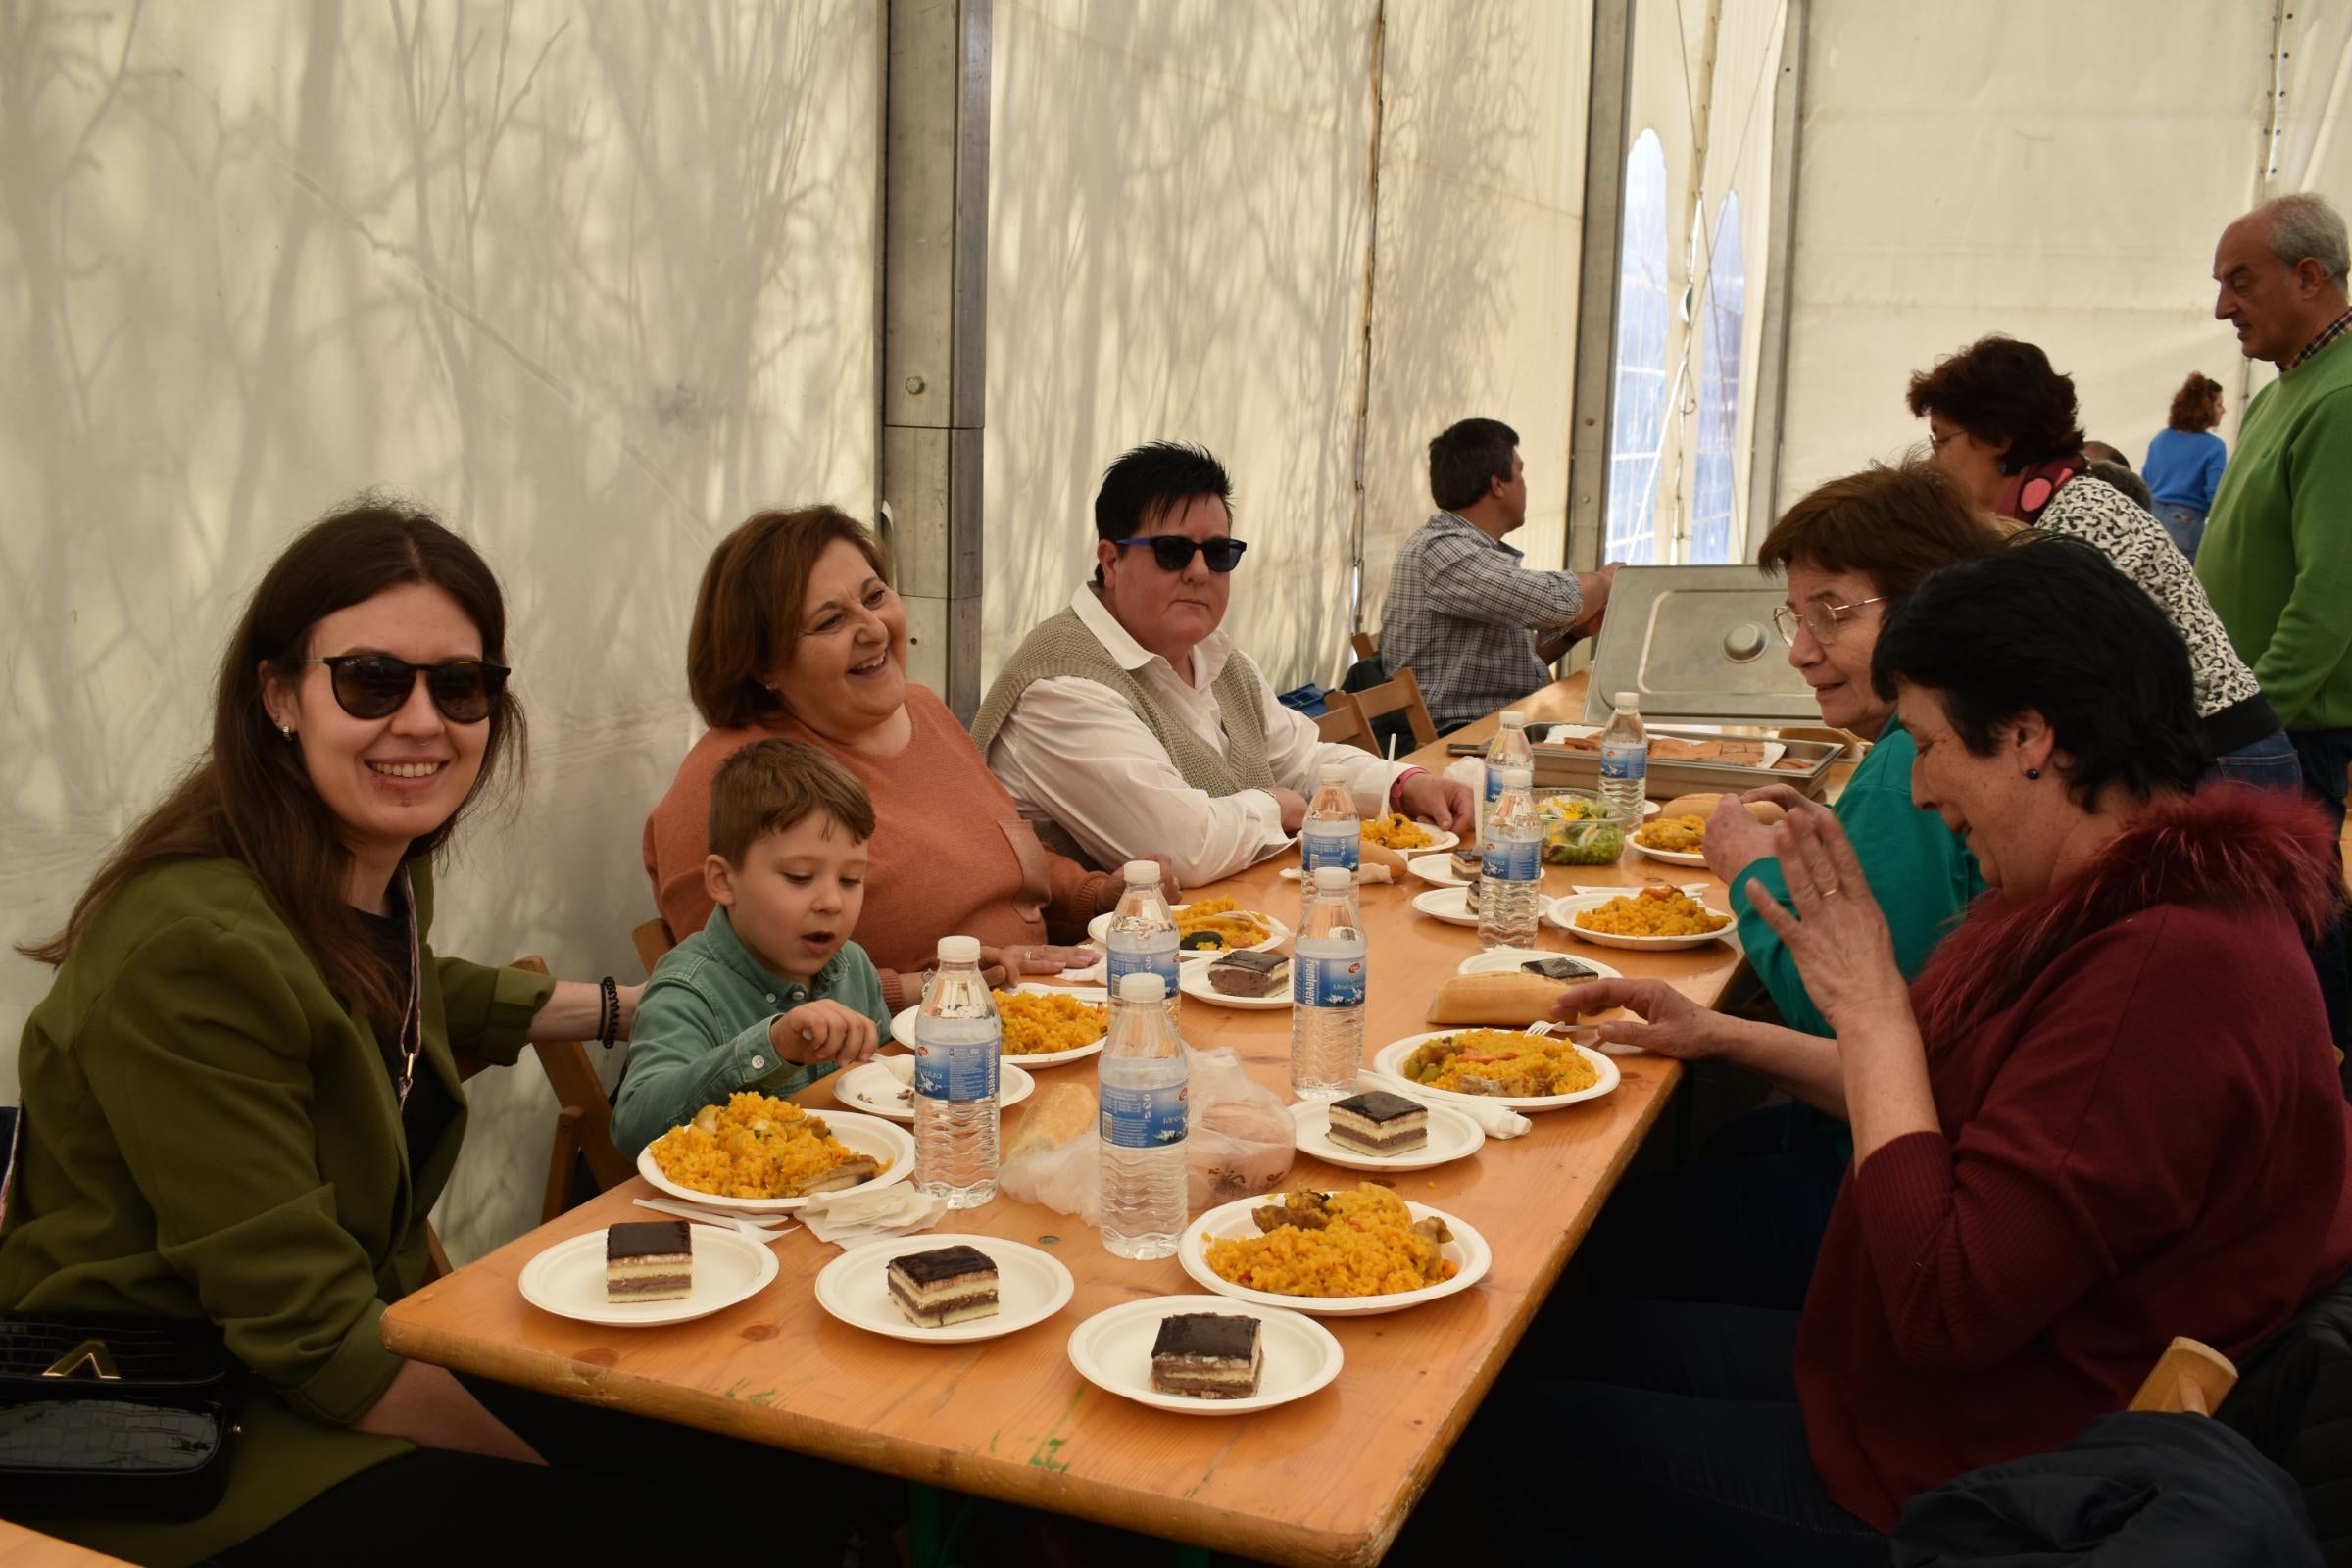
{"x":823,"y":1031}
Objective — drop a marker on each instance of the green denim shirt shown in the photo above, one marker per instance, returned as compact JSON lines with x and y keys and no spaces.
{"x":210,"y":1134}
{"x":701,"y":1031}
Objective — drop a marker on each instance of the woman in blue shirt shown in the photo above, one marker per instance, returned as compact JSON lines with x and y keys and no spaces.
{"x":2185,"y":460}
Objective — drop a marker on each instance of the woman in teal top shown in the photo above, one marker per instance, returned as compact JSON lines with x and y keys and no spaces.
{"x":1744,"y":1224}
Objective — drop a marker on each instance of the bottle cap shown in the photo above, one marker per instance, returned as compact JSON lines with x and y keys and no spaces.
{"x":1516,"y":778}
{"x":1333,"y":879}
{"x":1332,"y":773}
{"x":960,"y":950}
{"x":1512,"y":718}
{"x":1632,"y":700}
{"x":1143,"y":987}
{"x":1144,"y":873}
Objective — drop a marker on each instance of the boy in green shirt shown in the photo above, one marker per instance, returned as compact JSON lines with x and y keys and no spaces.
{"x":771,"y":995}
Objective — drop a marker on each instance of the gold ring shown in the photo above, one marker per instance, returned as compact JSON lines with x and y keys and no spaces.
{"x":1829,"y":892}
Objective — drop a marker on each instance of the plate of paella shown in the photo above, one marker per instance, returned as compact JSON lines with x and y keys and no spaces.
{"x":1334,"y":1254}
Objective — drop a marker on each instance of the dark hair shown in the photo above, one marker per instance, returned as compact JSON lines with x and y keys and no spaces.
{"x":1893,"y":525}
{"x":770,"y":785}
{"x":2197,"y":405}
{"x":747,"y":614}
{"x":2106,"y":451}
{"x":2001,"y":390}
{"x":2049,"y":625}
{"x":2123,"y":479}
{"x":1464,"y":457}
{"x":250,"y":798}
{"x":1153,"y":480}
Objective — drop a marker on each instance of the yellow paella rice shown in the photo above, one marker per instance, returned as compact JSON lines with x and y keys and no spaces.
{"x":1652,"y":912}
{"x":1040,"y":1021}
{"x":1397,"y":831}
{"x":757,"y":1145}
{"x":1368,"y":1245}
{"x":1500,"y":1061}
{"x":1676,"y":835}
{"x":1223,"y":921}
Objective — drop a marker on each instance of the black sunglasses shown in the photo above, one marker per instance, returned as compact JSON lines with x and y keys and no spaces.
{"x":377,"y":685}
{"x":1173,"y":552}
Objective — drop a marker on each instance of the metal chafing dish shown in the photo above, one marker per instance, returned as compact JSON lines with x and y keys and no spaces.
{"x":1698,"y":645}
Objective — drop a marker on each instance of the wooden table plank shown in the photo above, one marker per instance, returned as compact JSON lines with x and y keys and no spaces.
{"x":20,"y":1548}
{"x":1326,"y":1480}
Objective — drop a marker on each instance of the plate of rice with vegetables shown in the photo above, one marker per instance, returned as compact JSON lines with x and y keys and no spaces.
{"x":1498,"y":1067}
{"x":1334,"y":1253}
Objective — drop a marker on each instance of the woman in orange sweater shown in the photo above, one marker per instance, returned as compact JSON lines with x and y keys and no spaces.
{"x":798,"y":633}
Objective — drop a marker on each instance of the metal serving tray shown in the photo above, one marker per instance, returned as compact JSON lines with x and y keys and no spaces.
{"x":1557,"y":766}
{"x":1698,"y":645}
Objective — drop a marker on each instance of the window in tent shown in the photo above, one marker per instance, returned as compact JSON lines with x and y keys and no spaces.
{"x":1637,"y":426}
{"x":1725,"y":314}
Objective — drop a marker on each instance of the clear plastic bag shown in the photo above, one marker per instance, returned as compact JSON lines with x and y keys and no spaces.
{"x":1239,"y":1142}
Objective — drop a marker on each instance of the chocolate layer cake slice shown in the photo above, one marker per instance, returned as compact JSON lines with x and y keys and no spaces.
{"x":651,"y":1260}
{"x":1379,"y":1123}
{"x":1250,"y":974}
{"x":946,"y":1285}
{"x":1209,"y":1355}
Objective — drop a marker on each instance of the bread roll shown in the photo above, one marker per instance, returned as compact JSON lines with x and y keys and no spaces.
{"x":1379,"y":854}
{"x":1494,"y":1000}
{"x":1703,"y":807}
{"x":1055,"y":1117}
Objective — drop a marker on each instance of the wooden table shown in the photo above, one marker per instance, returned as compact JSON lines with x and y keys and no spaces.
{"x":1326,"y":1480}
{"x":20,"y":1548}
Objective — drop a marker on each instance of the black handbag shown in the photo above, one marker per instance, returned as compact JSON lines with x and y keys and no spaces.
{"x":114,"y":1417}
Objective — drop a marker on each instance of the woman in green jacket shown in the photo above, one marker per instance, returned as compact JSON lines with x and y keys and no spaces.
{"x":242,"y":1094}
{"x":1745,"y":1224}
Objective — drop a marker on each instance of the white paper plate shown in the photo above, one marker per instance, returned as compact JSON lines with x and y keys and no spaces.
{"x":1099,"y":927}
{"x":1670,"y":856}
{"x":569,"y":1279}
{"x":1449,"y":905}
{"x":1437,"y":868}
{"x":1468,"y":1250}
{"x":1562,"y":912}
{"x":1453,"y":1136}
{"x":1031,"y":1287}
{"x":1506,"y":960}
{"x":901,"y":1027}
{"x":1113,"y":1351}
{"x":1390,"y":1060}
{"x":868,"y":1135}
{"x":870,"y":1088}
{"x":1192,"y":980}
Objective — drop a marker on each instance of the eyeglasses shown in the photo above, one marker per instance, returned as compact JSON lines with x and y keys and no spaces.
{"x":1818,"y":616}
{"x":376,"y":685}
{"x":1173,"y":552}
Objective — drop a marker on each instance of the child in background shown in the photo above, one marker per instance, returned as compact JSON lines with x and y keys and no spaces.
{"x":772,"y":994}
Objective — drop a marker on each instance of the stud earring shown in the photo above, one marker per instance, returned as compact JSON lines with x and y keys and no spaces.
{"x":287,"y":730}
{"x":2033,"y":773}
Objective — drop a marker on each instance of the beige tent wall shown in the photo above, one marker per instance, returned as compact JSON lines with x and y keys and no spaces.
{"x":595,"y":280}
{"x":1481,"y":216}
{"x":2056,"y":173}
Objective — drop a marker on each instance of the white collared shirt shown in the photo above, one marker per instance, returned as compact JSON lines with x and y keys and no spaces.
{"x":1072,"y":750}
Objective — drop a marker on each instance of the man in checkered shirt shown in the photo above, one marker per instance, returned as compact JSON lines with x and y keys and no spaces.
{"x":1476,"y":629}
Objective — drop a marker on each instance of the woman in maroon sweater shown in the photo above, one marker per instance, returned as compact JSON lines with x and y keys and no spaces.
{"x":2106,"y":1115}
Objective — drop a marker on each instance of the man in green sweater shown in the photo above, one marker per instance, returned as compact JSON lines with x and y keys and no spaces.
{"x":2276,"y":560}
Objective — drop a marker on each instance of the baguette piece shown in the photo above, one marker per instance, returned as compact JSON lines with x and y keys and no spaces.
{"x":1382,"y":857}
{"x":1703,"y":807}
{"x":1496,"y":1001}
{"x":1056,"y":1117}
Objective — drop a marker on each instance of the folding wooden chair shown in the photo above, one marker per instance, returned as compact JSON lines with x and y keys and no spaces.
{"x":653,"y":940}
{"x":2190,"y":1379}
{"x":1344,"y":723}
{"x":1401,"y":693}
{"x":583,"y":1119}
{"x":1366,"y":643}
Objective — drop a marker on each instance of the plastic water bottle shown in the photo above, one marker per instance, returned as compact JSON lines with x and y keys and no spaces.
{"x":1328,"y":970}
{"x":1145,"y":1118}
{"x":1625,"y":758}
{"x":1141,"y":940}
{"x":1333,"y":835}
{"x":1510,"y":866}
{"x":1508,"y":748}
{"x":957,"y":1040}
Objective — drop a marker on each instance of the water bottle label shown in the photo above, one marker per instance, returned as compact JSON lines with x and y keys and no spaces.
{"x":1511,"y":859}
{"x":1327,"y":982}
{"x":1624,"y":759}
{"x":1494,"y":783}
{"x":957,"y":1063}
{"x":1319,"y":850}
{"x":1145,"y":1118}
{"x":1160,"y":962}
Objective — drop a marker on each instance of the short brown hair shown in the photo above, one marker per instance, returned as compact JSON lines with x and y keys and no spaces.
{"x":2197,"y":405}
{"x":747,"y":614}
{"x":770,"y":785}
{"x":1893,"y":525}
{"x":2000,"y":390}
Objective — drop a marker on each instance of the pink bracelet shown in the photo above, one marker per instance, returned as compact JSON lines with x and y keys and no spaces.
{"x":1396,"y":788}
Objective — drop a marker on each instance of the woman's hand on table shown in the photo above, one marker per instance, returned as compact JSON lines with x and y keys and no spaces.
{"x":1667,"y":1022}
{"x":1004,"y":966}
{"x":1838,"y":935}
{"x":824,"y":1031}
{"x":1442,"y":803}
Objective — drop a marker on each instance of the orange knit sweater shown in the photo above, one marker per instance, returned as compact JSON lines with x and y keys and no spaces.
{"x":951,"y":855}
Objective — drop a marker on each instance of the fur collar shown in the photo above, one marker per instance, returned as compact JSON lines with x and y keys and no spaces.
{"x":2226,"y":843}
